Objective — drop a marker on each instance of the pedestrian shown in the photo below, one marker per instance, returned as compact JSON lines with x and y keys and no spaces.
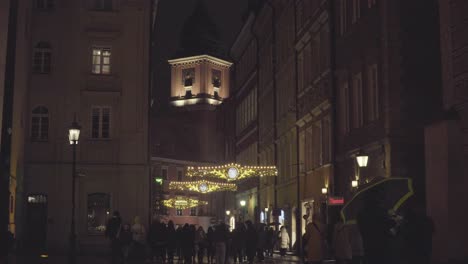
{"x":179,"y":238}
{"x":238,"y":241}
{"x":171,"y":241}
{"x":112,"y":232}
{"x":284,"y":241}
{"x":211,"y":245}
{"x":270,"y":244}
{"x":193,"y":231}
{"x":126,"y":240}
{"x":342,"y":244}
{"x":220,"y":239}
{"x":200,"y":241}
{"x":250,"y":241}
{"x":187,"y":241}
{"x":357,"y":247}
{"x":157,"y":240}
{"x":261,"y":241}
{"x":138,"y":239}
{"x":315,"y":240}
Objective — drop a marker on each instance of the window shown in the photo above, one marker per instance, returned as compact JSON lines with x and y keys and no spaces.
{"x":42,"y":58}
{"x":345,"y":108}
{"x":100,"y":124}
{"x":101,"y":60}
{"x":356,"y":10}
{"x":373,"y":93}
{"x":102,"y":5}
{"x":193,"y":211}
{"x":179,"y":212}
{"x":371,"y":3}
{"x":179,"y":175}
{"x":343,"y":16}
{"x":216,"y":78}
{"x":98,"y":212}
{"x":40,"y":124}
{"x":44,"y":4}
{"x":164,"y":173}
{"x":357,"y":100}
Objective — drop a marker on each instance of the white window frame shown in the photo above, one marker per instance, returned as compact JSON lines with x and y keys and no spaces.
{"x":98,"y":63}
{"x":100,"y":122}
{"x":41,"y":122}
{"x":42,"y":50}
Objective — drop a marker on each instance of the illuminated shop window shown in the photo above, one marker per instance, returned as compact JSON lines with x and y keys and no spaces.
{"x":98,"y":212}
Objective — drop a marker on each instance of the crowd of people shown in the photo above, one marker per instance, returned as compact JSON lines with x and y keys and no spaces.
{"x":167,"y":243}
{"x":378,"y":237}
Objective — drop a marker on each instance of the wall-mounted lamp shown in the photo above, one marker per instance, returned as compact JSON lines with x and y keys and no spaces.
{"x":362,"y":160}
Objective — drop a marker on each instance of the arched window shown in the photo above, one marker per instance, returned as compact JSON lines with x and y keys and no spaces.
{"x":42,"y":57}
{"x":40,"y":124}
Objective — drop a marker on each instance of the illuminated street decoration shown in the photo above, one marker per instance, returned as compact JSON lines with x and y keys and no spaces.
{"x":232,"y":172}
{"x":183,"y":202}
{"x":202,"y":186}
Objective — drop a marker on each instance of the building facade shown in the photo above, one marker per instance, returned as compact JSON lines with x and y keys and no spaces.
{"x":78,"y":66}
{"x":446,"y":140}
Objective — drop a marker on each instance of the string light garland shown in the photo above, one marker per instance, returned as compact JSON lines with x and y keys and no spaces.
{"x":232,"y":171}
{"x":183,"y":202}
{"x":202,"y":186}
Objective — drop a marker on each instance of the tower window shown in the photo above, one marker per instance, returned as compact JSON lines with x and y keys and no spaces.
{"x":216,"y":74}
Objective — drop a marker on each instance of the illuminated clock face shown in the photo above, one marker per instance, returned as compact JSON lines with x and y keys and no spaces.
{"x":203,"y":187}
{"x":233,"y":173}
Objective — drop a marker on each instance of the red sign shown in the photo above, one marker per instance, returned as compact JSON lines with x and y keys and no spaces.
{"x":335,"y":200}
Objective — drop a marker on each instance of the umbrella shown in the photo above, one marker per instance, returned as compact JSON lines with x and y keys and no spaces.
{"x":389,"y":193}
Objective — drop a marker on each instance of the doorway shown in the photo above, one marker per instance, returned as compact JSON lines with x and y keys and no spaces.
{"x":36,"y":222}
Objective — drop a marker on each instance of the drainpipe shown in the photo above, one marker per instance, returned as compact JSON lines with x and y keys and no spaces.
{"x":275,"y":130}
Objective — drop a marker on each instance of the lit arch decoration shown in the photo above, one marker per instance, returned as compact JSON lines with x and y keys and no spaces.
{"x":183,"y":202}
{"x":202,"y":186}
{"x":232,"y":171}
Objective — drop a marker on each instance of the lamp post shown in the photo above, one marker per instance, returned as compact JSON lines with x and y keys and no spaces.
{"x":73,"y":136}
{"x":361,"y":161}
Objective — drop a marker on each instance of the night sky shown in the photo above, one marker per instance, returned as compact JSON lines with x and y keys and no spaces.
{"x":226,"y":14}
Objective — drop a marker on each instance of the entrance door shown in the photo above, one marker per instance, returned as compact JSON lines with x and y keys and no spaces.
{"x":36,"y":222}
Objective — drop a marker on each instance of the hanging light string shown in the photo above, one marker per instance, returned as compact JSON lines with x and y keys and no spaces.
{"x":202,"y":186}
{"x":183,"y":202}
{"x":232,"y":171}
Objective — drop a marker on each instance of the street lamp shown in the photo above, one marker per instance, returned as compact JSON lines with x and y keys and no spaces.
{"x":354,"y":183}
{"x":362,"y":160}
{"x":324,"y":190}
{"x":228,"y":212}
{"x":242,"y":204}
{"x":73,"y":136}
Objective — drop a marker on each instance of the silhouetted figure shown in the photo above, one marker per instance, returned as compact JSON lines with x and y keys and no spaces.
{"x":157,"y":239}
{"x":270,"y":241}
{"x":126,"y":239}
{"x":221,"y":235}
{"x":261,"y":241}
{"x":238,"y":242}
{"x":417,"y":231}
{"x":187,"y":243}
{"x":6,"y":245}
{"x":375,"y":224}
{"x":171,"y":241}
{"x":211,"y":245}
{"x":201,"y":242}
{"x":112,"y":233}
{"x":315,"y":240}
{"x":250,"y":241}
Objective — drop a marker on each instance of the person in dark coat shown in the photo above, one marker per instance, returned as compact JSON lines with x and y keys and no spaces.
{"x":270,"y":241}
{"x":261,"y":241}
{"x":125,"y":238}
{"x":221,"y":236}
{"x":171,"y":241}
{"x":211,"y":245}
{"x":250,"y":241}
{"x":187,"y":242}
{"x":157,"y":239}
{"x":238,"y":242}
{"x":112,"y":233}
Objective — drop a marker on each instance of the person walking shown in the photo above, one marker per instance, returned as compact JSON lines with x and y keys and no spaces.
{"x":284,"y":241}
{"x":200,"y":241}
{"x":211,"y":245}
{"x":251,"y":241}
{"x":112,"y":232}
{"x":261,"y":241}
{"x":315,"y":240}
{"x":171,"y":241}
{"x":138,"y":239}
{"x":270,"y":241}
{"x":187,"y":244}
{"x":342,"y":244}
{"x":157,"y":240}
{"x":125,"y":240}
{"x":220,"y":238}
